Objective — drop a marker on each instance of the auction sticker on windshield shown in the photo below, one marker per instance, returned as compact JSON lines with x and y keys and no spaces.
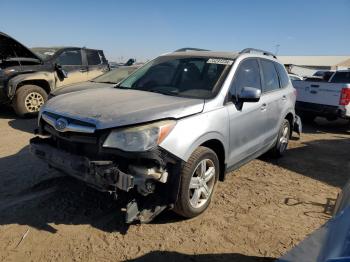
{"x":220,"y":61}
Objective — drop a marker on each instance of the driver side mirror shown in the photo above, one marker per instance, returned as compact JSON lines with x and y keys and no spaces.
{"x":249,"y":94}
{"x":60,"y":71}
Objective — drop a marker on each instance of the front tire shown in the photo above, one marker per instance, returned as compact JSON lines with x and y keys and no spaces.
{"x":282,"y":139}
{"x":28,"y":100}
{"x":198,"y":179}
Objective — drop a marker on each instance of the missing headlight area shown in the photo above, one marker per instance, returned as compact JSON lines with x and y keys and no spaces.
{"x":144,"y":176}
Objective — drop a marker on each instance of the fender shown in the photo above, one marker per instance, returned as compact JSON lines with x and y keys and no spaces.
{"x":201,"y":140}
{"x":191,"y":132}
{"x":46,"y":77}
{"x":289,"y":111}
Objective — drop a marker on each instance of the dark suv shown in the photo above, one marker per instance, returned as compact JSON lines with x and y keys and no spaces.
{"x":28,"y":76}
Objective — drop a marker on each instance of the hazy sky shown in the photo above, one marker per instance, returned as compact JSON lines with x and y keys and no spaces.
{"x":145,"y":29}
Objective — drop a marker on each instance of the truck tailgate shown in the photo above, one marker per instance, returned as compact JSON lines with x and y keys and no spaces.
{"x":319,"y":92}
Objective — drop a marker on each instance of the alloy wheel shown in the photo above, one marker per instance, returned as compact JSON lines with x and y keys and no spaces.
{"x":202,"y":183}
{"x":284,"y":139}
{"x":33,"y":102}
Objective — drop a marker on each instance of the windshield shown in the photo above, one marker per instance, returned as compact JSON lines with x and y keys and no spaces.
{"x":195,"y":77}
{"x":115,"y":76}
{"x":45,"y":53}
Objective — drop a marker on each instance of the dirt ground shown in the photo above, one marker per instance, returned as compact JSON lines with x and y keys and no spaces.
{"x":259,"y":213}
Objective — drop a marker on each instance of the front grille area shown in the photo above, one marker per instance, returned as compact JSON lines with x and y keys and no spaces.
{"x":83,"y":144}
{"x":70,"y":120}
{"x":72,"y":136}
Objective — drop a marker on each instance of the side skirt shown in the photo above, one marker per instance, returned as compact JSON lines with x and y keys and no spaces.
{"x":248,"y":159}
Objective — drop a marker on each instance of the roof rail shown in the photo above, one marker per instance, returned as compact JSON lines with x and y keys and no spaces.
{"x":190,"y":49}
{"x":252,"y":50}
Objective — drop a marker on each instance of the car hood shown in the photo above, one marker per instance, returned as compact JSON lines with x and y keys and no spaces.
{"x":12,"y":43}
{"x":79,"y":87}
{"x":112,"y":107}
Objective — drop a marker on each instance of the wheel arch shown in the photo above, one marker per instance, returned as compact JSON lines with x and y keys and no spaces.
{"x":44,"y":80}
{"x":218,"y":147}
{"x":39,"y":82}
{"x":290,"y":117}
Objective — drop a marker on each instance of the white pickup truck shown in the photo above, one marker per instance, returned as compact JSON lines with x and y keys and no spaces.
{"x":329,"y":99}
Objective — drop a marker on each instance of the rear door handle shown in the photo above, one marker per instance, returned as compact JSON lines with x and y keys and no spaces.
{"x":83,"y":70}
{"x":263,"y":107}
{"x":284,"y":98}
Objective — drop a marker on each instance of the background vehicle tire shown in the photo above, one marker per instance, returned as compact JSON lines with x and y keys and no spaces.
{"x":28,"y":100}
{"x":282,"y":140}
{"x":198,"y":179}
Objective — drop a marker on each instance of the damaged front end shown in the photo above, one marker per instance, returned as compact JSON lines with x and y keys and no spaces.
{"x":148,"y":177}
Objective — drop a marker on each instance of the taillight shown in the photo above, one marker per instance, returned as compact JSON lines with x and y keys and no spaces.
{"x":344,"y":97}
{"x":295,"y":92}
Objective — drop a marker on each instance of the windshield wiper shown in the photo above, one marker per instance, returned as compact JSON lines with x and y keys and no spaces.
{"x":164,"y":92}
{"x":105,"y":82}
{"x":121,"y":87}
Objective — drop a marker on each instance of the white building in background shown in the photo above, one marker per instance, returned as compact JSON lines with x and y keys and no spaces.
{"x":308,"y":65}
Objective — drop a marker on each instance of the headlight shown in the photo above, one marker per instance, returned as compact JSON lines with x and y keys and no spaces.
{"x":139,"y":138}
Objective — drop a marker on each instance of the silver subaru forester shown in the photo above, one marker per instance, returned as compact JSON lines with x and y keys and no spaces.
{"x":172,"y":129}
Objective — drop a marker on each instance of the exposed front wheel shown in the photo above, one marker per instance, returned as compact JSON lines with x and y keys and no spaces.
{"x":282,"y":139}
{"x":28,"y":100}
{"x":198,"y":180}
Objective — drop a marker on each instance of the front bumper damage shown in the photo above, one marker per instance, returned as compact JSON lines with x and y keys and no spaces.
{"x":150,"y":190}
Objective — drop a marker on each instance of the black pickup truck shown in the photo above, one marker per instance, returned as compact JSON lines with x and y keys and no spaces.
{"x":27,"y":76}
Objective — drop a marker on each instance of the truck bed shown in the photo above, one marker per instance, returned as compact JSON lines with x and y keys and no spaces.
{"x":324,"y":93}
{"x":321,"y":98}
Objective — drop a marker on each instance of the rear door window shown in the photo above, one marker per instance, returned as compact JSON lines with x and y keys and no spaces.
{"x":271,"y":81}
{"x":341,"y":77}
{"x":247,"y":75}
{"x":284,"y":79}
{"x":93,"y":57}
{"x":70,"y":57}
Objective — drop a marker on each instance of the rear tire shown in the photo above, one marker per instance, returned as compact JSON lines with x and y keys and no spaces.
{"x":282,"y":139}
{"x":28,"y":100}
{"x":198,"y":179}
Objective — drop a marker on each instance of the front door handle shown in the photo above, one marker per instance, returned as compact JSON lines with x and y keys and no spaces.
{"x":83,"y":70}
{"x":263,"y":107}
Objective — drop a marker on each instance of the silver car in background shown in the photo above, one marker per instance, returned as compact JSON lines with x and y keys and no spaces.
{"x":172,"y":129}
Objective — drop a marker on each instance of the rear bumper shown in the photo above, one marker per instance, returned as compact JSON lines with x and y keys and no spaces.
{"x":102,"y":175}
{"x":320,"y":110}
